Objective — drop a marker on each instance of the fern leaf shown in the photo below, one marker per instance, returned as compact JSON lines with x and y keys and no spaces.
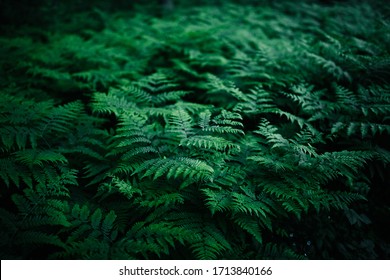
{"x":38,"y":157}
{"x":204,"y":119}
{"x":250,"y":225}
{"x":179,"y":124}
{"x":107,"y":104}
{"x":211,"y":142}
{"x":175,"y":167}
{"x":218,"y":200}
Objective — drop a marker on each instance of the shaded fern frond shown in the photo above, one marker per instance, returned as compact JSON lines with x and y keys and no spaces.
{"x":111,"y":103}
{"x":218,"y":200}
{"x":210,"y":242}
{"x":179,"y":124}
{"x":186,"y":168}
{"x":38,"y":157}
{"x":211,"y":143}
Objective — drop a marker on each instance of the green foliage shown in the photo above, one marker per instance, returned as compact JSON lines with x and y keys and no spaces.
{"x":232,"y":132}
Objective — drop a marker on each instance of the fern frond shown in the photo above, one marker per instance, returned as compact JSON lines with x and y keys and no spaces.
{"x":37,"y":238}
{"x":179,"y":124}
{"x":248,"y":203}
{"x":259,"y":101}
{"x":343,"y":163}
{"x":330,"y":67}
{"x":164,"y":235}
{"x":362,"y":129}
{"x":217,"y":86}
{"x":210,"y":241}
{"x":133,"y":94}
{"x":187,"y":168}
{"x":250,"y":225}
{"x":211,"y":143}
{"x":204,"y":119}
{"x":272,"y":251}
{"x":273,"y":162}
{"x":10,"y":171}
{"x":218,"y":200}
{"x":32,"y":157}
{"x":170,"y":96}
{"x":110,"y":103}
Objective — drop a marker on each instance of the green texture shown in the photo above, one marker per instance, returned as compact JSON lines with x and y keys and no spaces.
{"x":243,"y":130}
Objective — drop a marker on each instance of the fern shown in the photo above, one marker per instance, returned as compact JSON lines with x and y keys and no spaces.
{"x":226,"y":123}
{"x":250,"y":225}
{"x":174,"y":167}
{"x":218,"y":200}
{"x":111,"y":104}
{"x":211,"y":143}
{"x":87,"y":231}
{"x":179,"y":124}
{"x":209,"y":242}
{"x":204,"y":134}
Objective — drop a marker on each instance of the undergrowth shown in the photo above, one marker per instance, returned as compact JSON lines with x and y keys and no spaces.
{"x":229,"y":132}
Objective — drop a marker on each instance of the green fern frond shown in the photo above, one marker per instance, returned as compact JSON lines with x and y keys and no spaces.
{"x":342,"y":200}
{"x":211,"y":143}
{"x":179,"y":124}
{"x":164,"y":235}
{"x":210,"y":242}
{"x":225,"y":123}
{"x":272,"y":251}
{"x":269,"y":132}
{"x":204,"y":119}
{"x":10,"y":171}
{"x":157,"y":83}
{"x":259,"y":101}
{"x":37,"y":238}
{"x":138,"y":151}
{"x":330,"y":67}
{"x":248,"y":203}
{"x":187,"y":168}
{"x":343,"y":163}
{"x":32,"y":157}
{"x":218,"y":200}
{"x":110,"y":103}
{"x":224,"y":130}
{"x":250,"y":225}
{"x":133,"y":94}
{"x":273,"y":162}
{"x":21,"y":120}
{"x":170,"y":96}
{"x":179,"y":137}
{"x":117,"y":185}
{"x":162,"y":200}
{"x":364,"y":130}
{"x":217,"y":86}
{"x":86,"y":225}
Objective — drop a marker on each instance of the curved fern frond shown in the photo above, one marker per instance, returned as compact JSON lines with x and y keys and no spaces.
{"x":187,"y":168}
{"x":211,"y":143}
{"x":210,"y":242}
{"x":179,"y":124}
{"x":111,"y":103}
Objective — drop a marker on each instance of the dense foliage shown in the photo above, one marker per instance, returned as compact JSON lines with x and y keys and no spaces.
{"x":243,"y":131}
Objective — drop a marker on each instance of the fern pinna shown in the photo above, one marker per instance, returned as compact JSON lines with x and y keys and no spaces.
{"x":202,"y":135}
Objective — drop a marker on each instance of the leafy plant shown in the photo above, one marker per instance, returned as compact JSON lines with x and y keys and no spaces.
{"x":241,"y":131}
